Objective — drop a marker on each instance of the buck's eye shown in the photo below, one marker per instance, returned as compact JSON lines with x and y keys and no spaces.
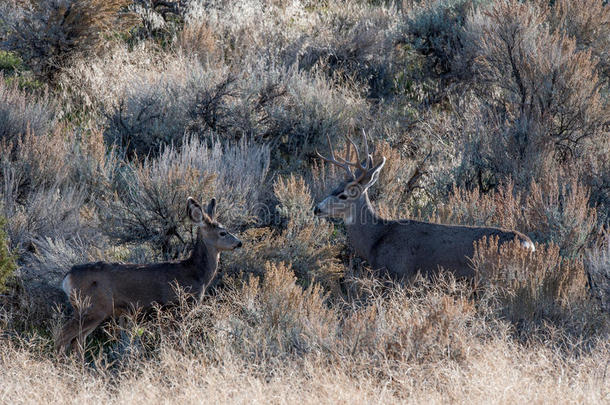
{"x":223,"y":233}
{"x":342,"y":197}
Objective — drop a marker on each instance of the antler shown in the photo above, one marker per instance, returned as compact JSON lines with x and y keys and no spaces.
{"x":343,"y":163}
{"x":346,"y":164}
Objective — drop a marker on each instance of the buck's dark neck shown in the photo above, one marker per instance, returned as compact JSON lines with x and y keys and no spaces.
{"x":364,"y":227}
{"x":205,"y":259}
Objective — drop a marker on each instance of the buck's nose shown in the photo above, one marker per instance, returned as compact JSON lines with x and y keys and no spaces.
{"x":316,"y":210}
{"x":239,"y":244}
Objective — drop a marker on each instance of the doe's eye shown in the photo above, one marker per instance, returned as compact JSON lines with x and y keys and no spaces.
{"x":342,"y":197}
{"x":223,"y":233}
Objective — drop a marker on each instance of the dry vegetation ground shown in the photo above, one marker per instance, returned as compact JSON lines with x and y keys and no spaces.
{"x":489,"y":112}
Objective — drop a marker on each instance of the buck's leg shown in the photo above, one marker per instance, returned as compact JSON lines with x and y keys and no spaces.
{"x":89,"y":324}
{"x":76,"y":330}
{"x":67,"y":335}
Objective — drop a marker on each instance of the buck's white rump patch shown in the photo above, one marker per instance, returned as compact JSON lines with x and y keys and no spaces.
{"x":66,"y":285}
{"x":528,"y":245}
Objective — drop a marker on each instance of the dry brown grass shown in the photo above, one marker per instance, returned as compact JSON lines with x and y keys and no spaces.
{"x":270,"y":341}
{"x":532,"y":287}
{"x":503,"y":374}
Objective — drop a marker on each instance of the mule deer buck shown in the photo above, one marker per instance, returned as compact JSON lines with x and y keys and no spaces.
{"x":113,"y":289}
{"x":399,"y":247}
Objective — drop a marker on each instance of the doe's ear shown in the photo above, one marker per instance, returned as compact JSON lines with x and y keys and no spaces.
{"x":372,"y":175}
{"x":193,"y":209}
{"x":211,"y":209}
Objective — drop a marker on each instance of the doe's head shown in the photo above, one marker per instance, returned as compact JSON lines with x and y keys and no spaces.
{"x":361,"y":175}
{"x":213,"y":233}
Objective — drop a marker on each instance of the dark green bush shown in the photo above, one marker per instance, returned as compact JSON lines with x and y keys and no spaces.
{"x":435,"y":30}
{"x":7,"y":258}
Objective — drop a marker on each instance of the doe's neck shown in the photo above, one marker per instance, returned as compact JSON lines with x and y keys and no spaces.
{"x":205,"y":258}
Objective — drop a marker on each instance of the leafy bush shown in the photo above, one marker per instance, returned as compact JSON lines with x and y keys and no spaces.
{"x":537,"y":102}
{"x":160,"y":20}
{"x":50,"y":183}
{"x":46,"y":212}
{"x":588,"y":23}
{"x":306,"y":242}
{"x":543,"y":90}
{"x":429,"y":320}
{"x":275,"y":316}
{"x":291,"y":111}
{"x":353,"y":45}
{"x":555,"y":210}
{"x":51,"y":33}
{"x":198,"y":38}
{"x":560,"y":212}
{"x":598,"y":270}
{"x":399,"y":192}
{"x":435,"y":30}
{"x":296,"y":120}
{"x":156,"y":110}
{"x":9,"y":62}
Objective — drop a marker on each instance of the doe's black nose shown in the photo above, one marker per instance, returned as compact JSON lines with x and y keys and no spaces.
{"x":316,"y":210}
{"x":239,"y":244}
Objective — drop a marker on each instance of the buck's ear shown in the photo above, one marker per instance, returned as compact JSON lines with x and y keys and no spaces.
{"x":211,"y":209}
{"x":193,"y":209}
{"x":372,"y":175}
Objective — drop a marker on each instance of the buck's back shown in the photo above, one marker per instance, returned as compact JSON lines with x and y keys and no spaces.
{"x":408,"y":246}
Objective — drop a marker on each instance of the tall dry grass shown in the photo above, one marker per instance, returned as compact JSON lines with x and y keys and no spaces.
{"x":270,"y":340}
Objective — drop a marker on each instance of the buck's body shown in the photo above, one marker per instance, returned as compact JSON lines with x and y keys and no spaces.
{"x":402,"y":247}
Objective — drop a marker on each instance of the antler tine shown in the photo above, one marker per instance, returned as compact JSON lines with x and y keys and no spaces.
{"x":353,"y":145}
{"x":357,"y":164}
{"x":330,"y":147}
{"x":368,"y":157}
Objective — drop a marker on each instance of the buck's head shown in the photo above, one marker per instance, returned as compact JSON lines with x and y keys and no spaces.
{"x":213,"y":233}
{"x":361,"y":174}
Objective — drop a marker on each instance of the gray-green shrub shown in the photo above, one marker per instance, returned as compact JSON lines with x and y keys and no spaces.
{"x":150,"y":195}
{"x":542,"y":89}
{"x":20,"y":112}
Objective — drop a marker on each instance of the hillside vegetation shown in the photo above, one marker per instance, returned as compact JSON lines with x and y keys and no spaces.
{"x":490,"y":112}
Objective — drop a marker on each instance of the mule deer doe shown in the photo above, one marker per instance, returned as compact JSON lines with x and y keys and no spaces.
{"x":400,"y":247}
{"x":113,"y":288}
